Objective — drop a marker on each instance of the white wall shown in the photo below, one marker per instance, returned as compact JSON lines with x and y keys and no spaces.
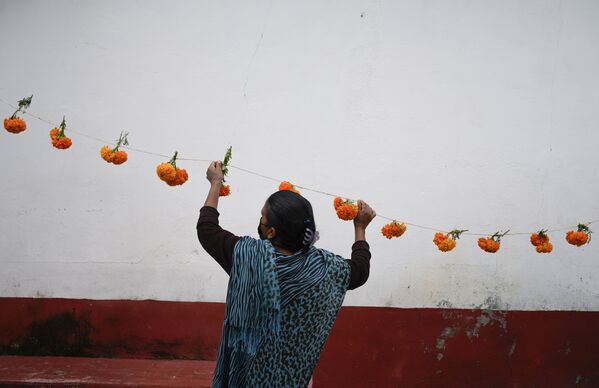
{"x":472,"y":115}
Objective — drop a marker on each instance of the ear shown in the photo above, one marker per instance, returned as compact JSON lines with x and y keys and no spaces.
{"x":272,"y":232}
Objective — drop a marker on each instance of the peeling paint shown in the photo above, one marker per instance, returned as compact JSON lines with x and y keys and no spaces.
{"x":490,"y":314}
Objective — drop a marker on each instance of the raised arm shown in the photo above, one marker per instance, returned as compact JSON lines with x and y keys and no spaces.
{"x":214,"y":174}
{"x":359,"y":263}
{"x":219,"y":243}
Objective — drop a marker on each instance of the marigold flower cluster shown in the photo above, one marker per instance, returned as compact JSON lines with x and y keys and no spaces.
{"x":15,"y":124}
{"x":346,"y":209}
{"x":540,"y":240}
{"x":492,"y":243}
{"x":446,"y":242}
{"x":579,"y":237}
{"x":114,"y":155}
{"x":393,"y":229}
{"x":170,"y":173}
{"x":59,"y":139}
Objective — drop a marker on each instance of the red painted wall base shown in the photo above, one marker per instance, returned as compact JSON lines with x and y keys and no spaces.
{"x":368,"y":347}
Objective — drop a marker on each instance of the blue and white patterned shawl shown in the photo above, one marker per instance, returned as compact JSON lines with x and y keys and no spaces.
{"x":262,"y":283}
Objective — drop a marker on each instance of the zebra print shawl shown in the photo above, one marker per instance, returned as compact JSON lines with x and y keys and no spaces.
{"x":262,"y":282}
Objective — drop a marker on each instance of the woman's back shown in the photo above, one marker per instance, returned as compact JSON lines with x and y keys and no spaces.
{"x":306,"y":320}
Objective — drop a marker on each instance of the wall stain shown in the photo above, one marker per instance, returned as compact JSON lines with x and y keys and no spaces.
{"x":59,"y":335}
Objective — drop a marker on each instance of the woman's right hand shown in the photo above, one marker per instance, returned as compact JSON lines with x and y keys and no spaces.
{"x":214,"y":173}
{"x":365,"y":215}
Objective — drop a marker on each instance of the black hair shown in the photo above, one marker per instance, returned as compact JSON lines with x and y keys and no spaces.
{"x":290,"y":214}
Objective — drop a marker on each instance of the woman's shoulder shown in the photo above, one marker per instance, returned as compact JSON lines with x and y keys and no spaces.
{"x":248,"y":242}
{"x":332,"y":257}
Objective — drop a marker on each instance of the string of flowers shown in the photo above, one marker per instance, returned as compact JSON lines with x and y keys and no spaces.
{"x":345,"y":208}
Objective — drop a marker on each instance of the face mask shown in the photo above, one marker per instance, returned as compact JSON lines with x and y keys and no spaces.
{"x":262,"y":237}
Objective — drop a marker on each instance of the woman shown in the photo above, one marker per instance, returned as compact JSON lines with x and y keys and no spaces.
{"x":283,"y":294}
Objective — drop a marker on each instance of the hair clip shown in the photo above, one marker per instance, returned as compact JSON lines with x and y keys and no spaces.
{"x":310,"y":237}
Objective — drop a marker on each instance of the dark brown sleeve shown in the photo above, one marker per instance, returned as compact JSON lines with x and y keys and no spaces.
{"x":359,"y":264}
{"x":216,"y":241}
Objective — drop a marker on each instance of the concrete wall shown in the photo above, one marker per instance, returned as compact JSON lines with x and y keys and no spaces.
{"x":470,"y":115}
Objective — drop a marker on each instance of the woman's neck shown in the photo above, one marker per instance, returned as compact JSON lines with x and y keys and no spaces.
{"x":282,"y":250}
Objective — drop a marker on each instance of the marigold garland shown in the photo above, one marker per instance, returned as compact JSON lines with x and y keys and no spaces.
{"x":346,"y":209}
{"x":446,"y":242}
{"x":285,"y":185}
{"x":393,"y":229}
{"x":15,"y":124}
{"x":59,"y":139}
{"x":579,"y":237}
{"x":114,"y":155}
{"x":170,"y":174}
{"x":493,"y":243}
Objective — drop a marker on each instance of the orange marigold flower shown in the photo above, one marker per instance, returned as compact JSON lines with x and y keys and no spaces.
{"x":59,"y":139}
{"x":545,"y":247}
{"x":15,"y":125}
{"x":393,"y":229}
{"x":182,"y":176}
{"x":119,"y":157}
{"x":224,"y":191}
{"x":62,"y":143}
{"x":169,"y":173}
{"x":539,"y":238}
{"x":347,"y":211}
{"x":113,"y":155}
{"x":337,"y":202}
{"x":447,"y":245}
{"x":439,"y":237}
{"x":488,"y":244}
{"x":285,"y":185}
{"x":106,"y":153}
{"x":166,"y":172}
{"x":491,"y":244}
{"x":446,"y":242}
{"x":577,"y":238}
